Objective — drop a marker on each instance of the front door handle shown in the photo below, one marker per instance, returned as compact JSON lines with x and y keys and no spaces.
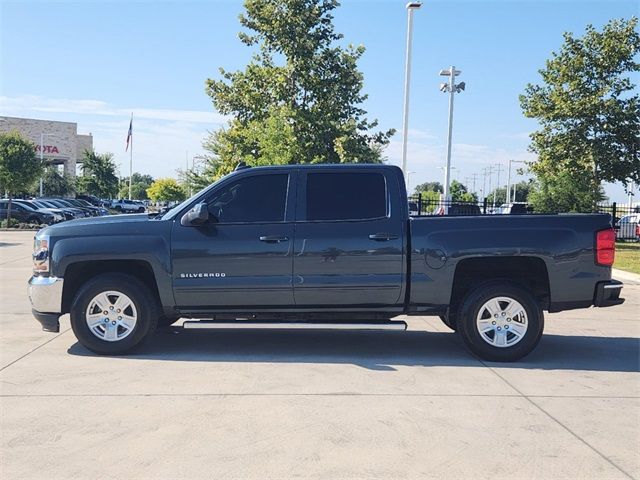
{"x":273,"y":238}
{"x":381,"y":237}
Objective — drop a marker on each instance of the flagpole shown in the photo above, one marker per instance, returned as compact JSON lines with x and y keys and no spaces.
{"x":131,"y":158}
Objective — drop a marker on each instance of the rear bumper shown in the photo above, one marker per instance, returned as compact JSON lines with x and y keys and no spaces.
{"x":45,"y":295}
{"x":607,"y":293}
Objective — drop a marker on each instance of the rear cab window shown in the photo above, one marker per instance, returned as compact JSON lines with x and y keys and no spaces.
{"x":342,"y":196}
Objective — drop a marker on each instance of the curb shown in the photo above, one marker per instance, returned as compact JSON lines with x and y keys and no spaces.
{"x":626,"y":277}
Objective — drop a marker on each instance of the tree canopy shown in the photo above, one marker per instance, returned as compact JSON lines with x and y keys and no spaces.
{"x":429,"y":187}
{"x":55,"y":183}
{"x":19,"y":167}
{"x":299,"y":100}
{"x":98,"y":175}
{"x":166,"y":190}
{"x":589,"y":114}
{"x":139,"y":184}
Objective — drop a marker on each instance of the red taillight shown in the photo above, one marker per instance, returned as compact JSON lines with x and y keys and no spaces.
{"x":638,"y":230}
{"x":605,"y":247}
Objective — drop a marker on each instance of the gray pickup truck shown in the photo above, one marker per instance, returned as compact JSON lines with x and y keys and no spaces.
{"x":328,"y":247}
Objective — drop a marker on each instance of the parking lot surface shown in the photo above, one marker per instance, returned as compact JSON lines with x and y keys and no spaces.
{"x":241,"y":404}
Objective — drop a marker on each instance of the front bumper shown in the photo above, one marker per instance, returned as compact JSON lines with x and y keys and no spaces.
{"x":45,"y":295}
{"x":607,"y":293}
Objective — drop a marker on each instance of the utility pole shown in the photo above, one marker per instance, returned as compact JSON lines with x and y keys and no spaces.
{"x":486,"y":172}
{"x":498,"y":169}
{"x":473,"y":178}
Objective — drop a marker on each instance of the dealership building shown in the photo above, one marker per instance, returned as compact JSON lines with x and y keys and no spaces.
{"x":58,"y":142}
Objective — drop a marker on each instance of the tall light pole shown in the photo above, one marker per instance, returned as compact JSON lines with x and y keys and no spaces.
{"x":411,"y":7}
{"x":452,"y":88}
{"x":42,"y":135}
{"x":508,"y":195}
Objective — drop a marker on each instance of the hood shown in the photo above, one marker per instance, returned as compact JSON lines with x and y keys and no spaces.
{"x":107,"y":225}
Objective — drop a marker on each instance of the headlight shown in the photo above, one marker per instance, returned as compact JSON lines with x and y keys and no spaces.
{"x":41,"y":254}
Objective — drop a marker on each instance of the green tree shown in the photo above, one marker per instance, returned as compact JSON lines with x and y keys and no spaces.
{"x":523,"y":190}
{"x":589,"y":116}
{"x":565,"y":193}
{"x":299,"y":99}
{"x":98,"y":175}
{"x":55,"y":183}
{"x":166,"y":190}
{"x":139,"y":184}
{"x":19,"y":167}
{"x":429,"y":187}
{"x":460,"y":193}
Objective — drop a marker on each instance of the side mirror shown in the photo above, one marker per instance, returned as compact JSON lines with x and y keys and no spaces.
{"x":198,"y":215}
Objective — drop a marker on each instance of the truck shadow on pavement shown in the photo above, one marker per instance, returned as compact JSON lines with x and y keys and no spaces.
{"x":378,"y":351}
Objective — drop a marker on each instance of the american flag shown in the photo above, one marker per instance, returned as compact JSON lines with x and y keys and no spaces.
{"x":129,"y":133}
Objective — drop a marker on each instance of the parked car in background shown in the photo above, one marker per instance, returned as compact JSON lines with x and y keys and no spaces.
{"x":56,"y":202}
{"x":515,"y":208}
{"x":26,"y":214}
{"x":97,"y":211}
{"x":93,"y":200}
{"x":90,"y":210}
{"x":58,"y":216}
{"x":413,"y":208}
{"x":458,"y":209}
{"x":68,"y":213}
{"x":128,"y":206}
{"x":628,"y":227}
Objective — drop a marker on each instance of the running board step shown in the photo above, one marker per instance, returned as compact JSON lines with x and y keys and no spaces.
{"x":236,"y":325}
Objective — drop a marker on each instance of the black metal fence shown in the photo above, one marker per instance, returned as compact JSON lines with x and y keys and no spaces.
{"x":626,"y":217}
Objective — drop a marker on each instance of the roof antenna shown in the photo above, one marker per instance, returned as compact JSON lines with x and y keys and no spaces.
{"x":241,"y":166}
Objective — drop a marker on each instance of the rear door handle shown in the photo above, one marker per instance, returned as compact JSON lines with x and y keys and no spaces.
{"x":273,"y":238}
{"x":381,"y":237}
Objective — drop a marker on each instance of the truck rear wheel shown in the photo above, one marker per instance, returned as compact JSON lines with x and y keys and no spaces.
{"x":500,"y":322}
{"x":113,"y":313}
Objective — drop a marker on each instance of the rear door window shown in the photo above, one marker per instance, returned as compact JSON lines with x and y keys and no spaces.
{"x":346,"y":196}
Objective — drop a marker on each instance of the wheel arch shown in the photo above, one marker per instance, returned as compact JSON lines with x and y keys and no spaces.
{"x":526,"y":271}
{"x":78,"y":273}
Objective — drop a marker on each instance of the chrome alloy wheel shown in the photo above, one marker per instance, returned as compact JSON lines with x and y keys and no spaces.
{"x":502,"y":322}
{"x":111,"y":316}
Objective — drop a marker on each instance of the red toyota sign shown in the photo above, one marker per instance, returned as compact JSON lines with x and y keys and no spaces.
{"x":47,"y":149}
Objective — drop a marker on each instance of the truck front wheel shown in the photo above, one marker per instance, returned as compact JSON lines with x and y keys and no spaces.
{"x":113,"y":313}
{"x":500,"y":322}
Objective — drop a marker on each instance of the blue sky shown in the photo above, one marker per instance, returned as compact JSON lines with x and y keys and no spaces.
{"x":96,"y":62}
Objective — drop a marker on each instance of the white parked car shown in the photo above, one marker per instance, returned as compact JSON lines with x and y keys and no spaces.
{"x":628,"y":227}
{"x":128,"y":206}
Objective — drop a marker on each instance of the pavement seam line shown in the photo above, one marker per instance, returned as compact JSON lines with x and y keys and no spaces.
{"x":337,"y":394}
{"x":14,"y":260}
{"x":36,"y":348}
{"x":566,"y":428}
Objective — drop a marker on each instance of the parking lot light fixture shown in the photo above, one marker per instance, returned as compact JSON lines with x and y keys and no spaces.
{"x":411,"y":7}
{"x":451,"y":88}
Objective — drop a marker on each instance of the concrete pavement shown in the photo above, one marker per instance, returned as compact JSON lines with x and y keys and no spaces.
{"x":317,"y":404}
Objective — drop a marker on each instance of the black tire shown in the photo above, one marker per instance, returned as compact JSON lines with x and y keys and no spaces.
{"x":141,"y":210}
{"x":450,"y":321}
{"x":167,"y":320}
{"x":470,"y":309}
{"x":34,"y":220}
{"x":148,"y":312}
{"x":118,"y":208}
